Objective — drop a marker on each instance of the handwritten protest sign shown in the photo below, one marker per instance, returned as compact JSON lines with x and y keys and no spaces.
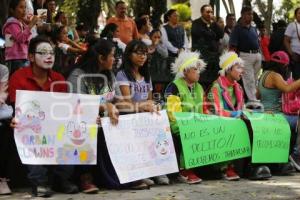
{"x":56,"y":128}
{"x":208,"y":139}
{"x":140,"y":146}
{"x":271,"y":137}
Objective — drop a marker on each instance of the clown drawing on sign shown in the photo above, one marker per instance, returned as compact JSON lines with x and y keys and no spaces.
{"x":30,"y":116}
{"x":76,"y":137}
{"x":161,"y":149}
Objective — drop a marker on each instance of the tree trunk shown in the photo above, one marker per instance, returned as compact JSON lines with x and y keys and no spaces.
{"x":246,"y":2}
{"x":3,"y":12}
{"x":159,"y":7}
{"x":88,"y":13}
{"x":226,"y":6}
{"x":266,"y":11}
{"x":269,"y":14}
{"x":231,"y":6}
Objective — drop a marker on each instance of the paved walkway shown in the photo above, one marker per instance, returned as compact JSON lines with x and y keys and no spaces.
{"x":277,"y":188}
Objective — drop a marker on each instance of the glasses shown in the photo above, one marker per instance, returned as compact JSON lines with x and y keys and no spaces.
{"x":45,"y":53}
{"x":140,"y":53}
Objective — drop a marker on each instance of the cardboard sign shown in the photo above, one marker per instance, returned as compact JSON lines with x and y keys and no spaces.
{"x":56,"y":128}
{"x":209,"y":139}
{"x":271,"y":137}
{"x":140,"y":146}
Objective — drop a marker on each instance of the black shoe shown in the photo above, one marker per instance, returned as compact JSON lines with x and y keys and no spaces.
{"x":41,"y":191}
{"x":259,"y":173}
{"x":296,"y":161}
{"x":283,"y":169}
{"x":68,"y":188}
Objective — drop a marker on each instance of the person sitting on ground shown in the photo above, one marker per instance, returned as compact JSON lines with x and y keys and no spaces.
{"x":99,"y":61}
{"x":111,"y":32}
{"x":272,"y":85}
{"x":66,"y":50}
{"x":136,"y":87}
{"x":62,"y":20}
{"x":5,"y":113}
{"x":144,"y":27}
{"x":158,"y":54}
{"x":185,"y":94}
{"x":39,"y":76}
{"x":226,"y":98}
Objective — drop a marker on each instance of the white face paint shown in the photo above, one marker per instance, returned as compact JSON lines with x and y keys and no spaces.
{"x":44,"y":55}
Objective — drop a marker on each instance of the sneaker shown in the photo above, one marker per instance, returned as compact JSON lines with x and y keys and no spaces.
{"x":283,"y":169}
{"x":140,"y":186}
{"x":230,"y":174}
{"x":87,"y":185}
{"x":41,"y":191}
{"x":4,"y":189}
{"x":188,"y":176}
{"x":89,"y":188}
{"x":148,"y":181}
{"x":296,"y":161}
{"x":162,"y":180}
{"x":259,"y":173}
{"x":68,"y":188}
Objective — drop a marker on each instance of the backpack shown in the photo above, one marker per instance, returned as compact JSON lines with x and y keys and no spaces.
{"x":291,"y":101}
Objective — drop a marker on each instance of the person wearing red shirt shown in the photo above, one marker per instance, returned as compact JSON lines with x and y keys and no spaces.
{"x":264,"y":41}
{"x":40,"y":77}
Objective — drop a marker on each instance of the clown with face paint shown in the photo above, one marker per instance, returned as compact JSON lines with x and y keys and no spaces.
{"x":40,"y":77}
{"x":185,"y":94}
{"x":226,"y":96}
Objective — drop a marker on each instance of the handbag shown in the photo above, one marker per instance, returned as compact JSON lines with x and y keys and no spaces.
{"x":291,"y":101}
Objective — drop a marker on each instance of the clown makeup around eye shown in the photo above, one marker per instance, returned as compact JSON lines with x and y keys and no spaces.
{"x":236,"y":72}
{"x":44,"y":55}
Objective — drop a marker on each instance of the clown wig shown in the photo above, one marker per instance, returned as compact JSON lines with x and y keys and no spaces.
{"x":185,"y":61}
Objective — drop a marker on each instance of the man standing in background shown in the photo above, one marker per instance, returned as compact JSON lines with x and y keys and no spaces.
{"x":206,"y":35}
{"x":127,"y":27}
{"x":245,"y":41}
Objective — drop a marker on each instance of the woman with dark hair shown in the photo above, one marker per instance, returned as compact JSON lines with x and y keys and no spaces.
{"x":111,"y":32}
{"x":144,"y":27}
{"x":93,"y":75}
{"x":134,"y":77}
{"x":66,"y":50}
{"x":136,"y":86}
{"x":157,"y":63}
{"x":17,"y":35}
{"x":62,"y":19}
{"x":272,"y":85}
{"x":173,"y":37}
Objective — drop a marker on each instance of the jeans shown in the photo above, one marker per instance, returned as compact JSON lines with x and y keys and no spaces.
{"x":294,"y":66}
{"x":293,"y":121}
{"x":38,"y":174}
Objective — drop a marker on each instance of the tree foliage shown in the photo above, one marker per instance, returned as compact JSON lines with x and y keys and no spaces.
{"x":155,"y":8}
{"x":286,"y":11}
{"x":266,"y":11}
{"x":183,"y":10}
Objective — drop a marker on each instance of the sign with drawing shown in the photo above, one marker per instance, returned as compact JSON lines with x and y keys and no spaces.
{"x":140,"y":146}
{"x":56,"y":128}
